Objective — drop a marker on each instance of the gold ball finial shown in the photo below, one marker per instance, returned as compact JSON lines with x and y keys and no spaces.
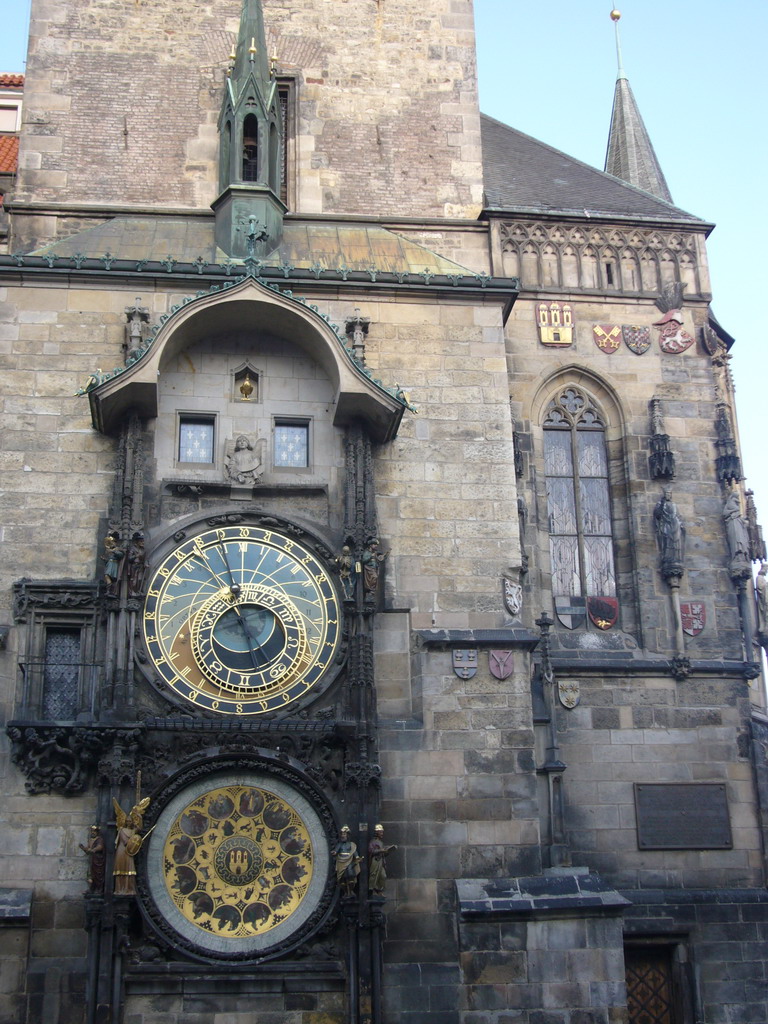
{"x":615,"y":15}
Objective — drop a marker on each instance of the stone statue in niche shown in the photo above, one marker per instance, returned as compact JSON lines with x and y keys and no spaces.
{"x":244,"y":459}
{"x":136,"y":331}
{"x":128,"y":842}
{"x":670,"y":532}
{"x":737,"y":535}
{"x":135,"y":560}
{"x":346,"y":564}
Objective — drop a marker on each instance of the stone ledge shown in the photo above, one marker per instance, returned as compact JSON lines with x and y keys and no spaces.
{"x":535,"y":894}
{"x":15,"y":906}
{"x":512,"y":637}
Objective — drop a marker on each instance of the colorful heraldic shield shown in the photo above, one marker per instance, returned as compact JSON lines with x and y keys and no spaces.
{"x":501,"y":664}
{"x":607,"y":337}
{"x":637,"y":339}
{"x":603,"y":611}
{"x":239,"y":865}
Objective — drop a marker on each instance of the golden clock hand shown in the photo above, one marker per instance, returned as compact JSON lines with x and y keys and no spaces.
{"x":234,"y":587}
{"x":202,"y":555}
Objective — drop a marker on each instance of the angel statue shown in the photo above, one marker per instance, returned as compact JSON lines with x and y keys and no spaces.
{"x":127,"y":844}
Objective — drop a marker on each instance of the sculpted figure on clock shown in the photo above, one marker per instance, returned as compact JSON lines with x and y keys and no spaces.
{"x":377,"y":866}
{"x":127,"y":844}
{"x":347,"y":864}
{"x":96,"y":852}
{"x":242,"y":460}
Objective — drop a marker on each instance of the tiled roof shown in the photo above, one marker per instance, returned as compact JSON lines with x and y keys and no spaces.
{"x":9,"y":80}
{"x":9,"y":153}
{"x":305,"y":244}
{"x":524,"y":175}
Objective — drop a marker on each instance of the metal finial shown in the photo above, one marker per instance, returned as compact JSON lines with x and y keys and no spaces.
{"x":615,"y":16}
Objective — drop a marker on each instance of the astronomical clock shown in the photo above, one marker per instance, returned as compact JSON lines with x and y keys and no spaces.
{"x":241,"y":624}
{"x":242,"y":620}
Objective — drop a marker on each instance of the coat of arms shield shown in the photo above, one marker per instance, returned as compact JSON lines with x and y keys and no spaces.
{"x":603,"y":611}
{"x":500,"y":664}
{"x":571,"y":611}
{"x":694,"y":617}
{"x":607,"y":337}
{"x":637,"y":339}
{"x":464,"y":662}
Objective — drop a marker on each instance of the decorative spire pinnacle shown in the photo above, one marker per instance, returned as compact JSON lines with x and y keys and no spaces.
{"x":251,"y":50}
{"x":249,"y":210}
{"x":630,"y":155}
{"x":615,"y":18}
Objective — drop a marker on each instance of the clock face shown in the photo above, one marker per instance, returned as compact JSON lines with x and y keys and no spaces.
{"x":238,"y":863}
{"x":241,"y":620}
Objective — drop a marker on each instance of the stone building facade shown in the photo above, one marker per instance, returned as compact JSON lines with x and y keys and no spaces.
{"x":366,"y":463}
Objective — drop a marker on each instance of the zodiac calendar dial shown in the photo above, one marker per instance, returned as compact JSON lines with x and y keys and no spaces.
{"x":237,"y":861}
{"x":241,"y":620}
{"x":238,"y":864}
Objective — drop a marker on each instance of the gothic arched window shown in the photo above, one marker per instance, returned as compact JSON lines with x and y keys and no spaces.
{"x":578,"y":497}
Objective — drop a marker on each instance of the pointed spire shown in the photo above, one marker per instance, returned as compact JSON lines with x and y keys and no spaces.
{"x":630,"y":155}
{"x":251,"y":51}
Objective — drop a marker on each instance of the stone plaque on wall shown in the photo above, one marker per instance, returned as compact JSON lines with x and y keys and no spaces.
{"x":685,"y":816}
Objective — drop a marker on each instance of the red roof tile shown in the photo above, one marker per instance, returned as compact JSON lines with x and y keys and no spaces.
{"x":9,"y":153}
{"x":9,"y":80}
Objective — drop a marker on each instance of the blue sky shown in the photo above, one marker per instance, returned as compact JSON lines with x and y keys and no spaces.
{"x":697,"y":71}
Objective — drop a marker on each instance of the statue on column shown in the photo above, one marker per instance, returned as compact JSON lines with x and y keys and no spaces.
{"x":761,"y":594}
{"x":96,"y":852}
{"x":670,"y":533}
{"x":128,"y":842}
{"x":347,"y":864}
{"x":377,"y":865}
{"x":737,"y":535}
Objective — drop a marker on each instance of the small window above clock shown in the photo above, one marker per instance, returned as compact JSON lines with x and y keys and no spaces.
{"x":291,"y":444}
{"x":196,"y":439}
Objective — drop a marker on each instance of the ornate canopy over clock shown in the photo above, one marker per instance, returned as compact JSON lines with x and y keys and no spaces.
{"x":242,"y":620}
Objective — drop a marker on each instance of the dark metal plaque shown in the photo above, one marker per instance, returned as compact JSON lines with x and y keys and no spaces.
{"x":688,"y":816}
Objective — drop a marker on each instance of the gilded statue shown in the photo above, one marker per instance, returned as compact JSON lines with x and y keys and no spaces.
{"x":128,"y":842}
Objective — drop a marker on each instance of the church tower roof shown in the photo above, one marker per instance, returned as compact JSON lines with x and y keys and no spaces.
{"x":630,"y":155}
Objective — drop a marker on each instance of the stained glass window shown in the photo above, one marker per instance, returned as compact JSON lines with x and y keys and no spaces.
{"x":578,"y":497}
{"x":61,"y":674}
{"x":196,"y":439}
{"x":291,"y":445}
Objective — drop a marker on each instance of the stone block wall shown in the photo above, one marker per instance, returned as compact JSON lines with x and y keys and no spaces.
{"x":650,"y":730}
{"x":725,"y":940}
{"x":357,"y":131}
